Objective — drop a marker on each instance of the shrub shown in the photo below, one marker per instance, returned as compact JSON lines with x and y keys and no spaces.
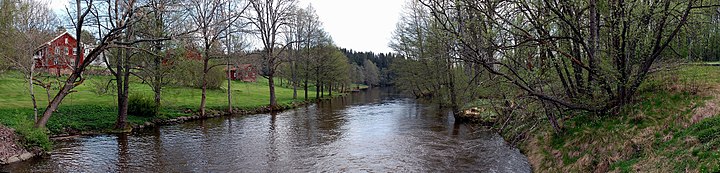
{"x":139,"y":105}
{"x":189,"y":73}
{"x":35,"y":137}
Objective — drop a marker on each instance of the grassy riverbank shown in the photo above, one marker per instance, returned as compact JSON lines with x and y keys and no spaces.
{"x":87,"y":111}
{"x":672,"y":127}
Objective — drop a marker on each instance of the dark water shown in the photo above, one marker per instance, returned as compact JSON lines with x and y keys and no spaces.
{"x":371,"y":131}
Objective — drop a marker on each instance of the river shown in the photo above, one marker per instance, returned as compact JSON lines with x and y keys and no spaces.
{"x":369,"y":131}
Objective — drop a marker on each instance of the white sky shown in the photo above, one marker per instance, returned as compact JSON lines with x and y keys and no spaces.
{"x":361,"y":25}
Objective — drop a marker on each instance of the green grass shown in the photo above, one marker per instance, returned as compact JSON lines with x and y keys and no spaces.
{"x":84,"y":110}
{"x":654,"y":134}
{"x":23,"y":126}
{"x":14,"y":94}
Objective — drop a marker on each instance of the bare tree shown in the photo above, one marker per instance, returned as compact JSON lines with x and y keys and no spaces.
{"x":111,"y":18}
{"x":535,"y":32}
{"x":269,"y":18}
{"x":211,"y":24}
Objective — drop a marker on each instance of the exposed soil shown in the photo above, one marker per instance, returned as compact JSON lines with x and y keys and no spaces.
{"x":9,"y":143}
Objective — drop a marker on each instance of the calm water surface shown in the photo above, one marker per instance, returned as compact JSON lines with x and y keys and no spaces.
{"x":370,"y":131}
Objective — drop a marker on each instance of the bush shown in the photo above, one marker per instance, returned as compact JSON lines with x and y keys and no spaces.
{"x":35,"y":137}
{"x":142,"y":106}
{"x":189,"y":73}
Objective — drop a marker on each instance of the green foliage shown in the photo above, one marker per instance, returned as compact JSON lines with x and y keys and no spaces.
{"x":143,"y":106}
{"x":34,"y":137}
{"x":22,"y":121}
{"x":371,"y":73}
{"x":189,"y":73}
{"x":82,"y":118}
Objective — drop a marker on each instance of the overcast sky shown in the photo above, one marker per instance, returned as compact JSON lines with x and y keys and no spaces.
{"x":361,"y":25}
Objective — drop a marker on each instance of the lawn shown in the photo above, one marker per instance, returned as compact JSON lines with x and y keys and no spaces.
{"x":14,"y":94}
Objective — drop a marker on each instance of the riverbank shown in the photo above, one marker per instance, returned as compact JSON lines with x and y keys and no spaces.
{"x":672,"y":127}
{"x":11,"y":149}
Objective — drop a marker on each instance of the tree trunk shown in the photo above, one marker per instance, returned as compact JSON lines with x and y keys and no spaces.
{"x":317,"y":89}
{"x":123,"y":84}
{"x":122,"y":107}
{"x":305,"y":86}
{"x":229,"y":91}
{"x":158,"y":97}
{"x":294,"y":82}
{"x":451,"y":83}
{"x":593,"y":41}
{"x":64,"y":91}
{"x":32,"y":92}
{"x":271,"y":84}
{"x":204,"y":85}
{"x":157,"y":80}
{"x":577,"y":69}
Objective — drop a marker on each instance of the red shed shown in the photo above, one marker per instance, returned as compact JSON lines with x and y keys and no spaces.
{"x":243,"y":72}
{"x":57,"y":56}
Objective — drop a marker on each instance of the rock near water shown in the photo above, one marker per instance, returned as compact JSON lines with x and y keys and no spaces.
{"x":10,"y":150}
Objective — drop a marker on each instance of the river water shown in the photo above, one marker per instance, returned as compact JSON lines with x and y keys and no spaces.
{"x":369,"y":131}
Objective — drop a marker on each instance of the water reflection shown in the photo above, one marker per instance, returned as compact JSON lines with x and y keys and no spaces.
{"x":368,"y":131}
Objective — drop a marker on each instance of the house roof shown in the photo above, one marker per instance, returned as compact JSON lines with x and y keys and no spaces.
{"x":58,"y":37}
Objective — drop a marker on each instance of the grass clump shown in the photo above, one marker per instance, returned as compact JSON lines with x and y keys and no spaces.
{"x":22,"y":122}
{"x":142,"y":106}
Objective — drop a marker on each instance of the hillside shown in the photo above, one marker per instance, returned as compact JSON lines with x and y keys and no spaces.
{"x":672,"y":127}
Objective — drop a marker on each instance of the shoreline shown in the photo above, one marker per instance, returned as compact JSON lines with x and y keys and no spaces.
{"x":194,"y":116}
{"x":157,"y":122}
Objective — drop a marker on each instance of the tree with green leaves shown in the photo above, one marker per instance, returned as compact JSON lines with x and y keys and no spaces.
{"x":371,"y":73}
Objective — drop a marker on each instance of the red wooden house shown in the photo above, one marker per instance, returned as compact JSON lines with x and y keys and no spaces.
{"x":243,"y":72}
{"x":57,"y":56}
